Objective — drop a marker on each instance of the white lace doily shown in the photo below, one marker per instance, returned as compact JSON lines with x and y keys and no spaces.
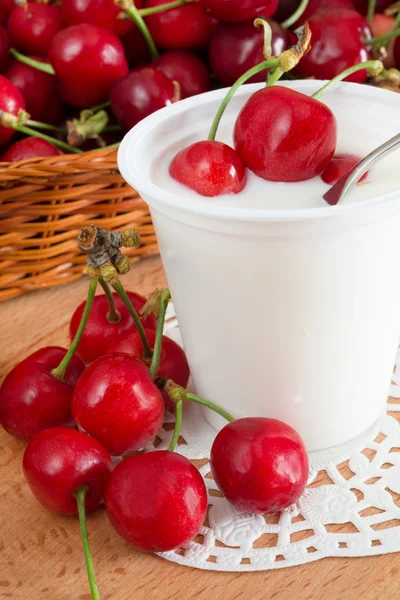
{"x":351,"y":506}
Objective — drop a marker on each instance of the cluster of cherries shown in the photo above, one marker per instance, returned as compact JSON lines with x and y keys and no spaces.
{"x":279,"y":134}
{"x":123,"y":59}
{"x":100,"y":403}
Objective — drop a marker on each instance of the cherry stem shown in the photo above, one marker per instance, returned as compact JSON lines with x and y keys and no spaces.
{"x":134,"y":14}
{"x":268,"y":64}
{"x":60,"y":371}
{"x":112,"y":128}
{"x":100,"y":106}
{"x":113,"y":315}
{"x":116,"y":145}
{"x":267,"y":36}
{"x":51,"y":140}
{"x":80,"y":496}
{"x":119,"y":288}
{"x":177,"y":393}
{"x":374,"y":66}
{"x":31,"y":62}
{"x":178,"y":425}
{"x":211,"y":406}
{"x":296,"y":15}
{"x":383,"y":40}
{"x":155,"y":363}
{"x":273,"y":76}
{"x":39,"y":125}
{"x":371,"y":10}
{"x":146,"y":12}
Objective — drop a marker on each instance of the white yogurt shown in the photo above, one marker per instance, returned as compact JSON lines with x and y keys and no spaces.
{"x":288,"y":308}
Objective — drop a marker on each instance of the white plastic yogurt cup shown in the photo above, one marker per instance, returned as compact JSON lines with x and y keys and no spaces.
{"x":291,"y":313}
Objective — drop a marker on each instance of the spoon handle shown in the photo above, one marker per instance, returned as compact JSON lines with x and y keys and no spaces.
{"x":337,"y":191}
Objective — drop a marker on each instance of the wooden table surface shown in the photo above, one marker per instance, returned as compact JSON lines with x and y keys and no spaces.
{"x":40,"y":553}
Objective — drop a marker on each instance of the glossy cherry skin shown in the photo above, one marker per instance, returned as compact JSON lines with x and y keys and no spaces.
{"x":102,"y":13}
{"x":32,"y":399}
{"x":260,"y":465}
{"x":157,"y":501}
{"x":173,"y":361}
{"x":88,"y":61}
{"x":99,"y":331}
{"x":336,"y":45}
{"x":30,"y":147}
{"x":338,"y":167}
{"x":6,"y":7}
{"x":116,"y":401}
{"x":187,"y":69}
{"x":31,"y":31}
{"x":282,"y":135}
{"x":58,"y":461}
{"x":315,"y":6}
{"x":237,"y":47}
{"x":4,"y":48}
{"x":39,"y":89}
{"x":184,"y":28}
{"x":234,"y":11}
{"x":209,"y":168}
{"x":139,"y":94}
{"x":11,"y":101}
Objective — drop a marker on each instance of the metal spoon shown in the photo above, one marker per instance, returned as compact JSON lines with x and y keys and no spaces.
{"x":337,"y":191}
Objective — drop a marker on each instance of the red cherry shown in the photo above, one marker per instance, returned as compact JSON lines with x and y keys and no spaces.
{"x":336,"y":45}
{"x":173,"y":361}
{"x":30,"y":147}
{"x":139,"y":94}
{"x":103,"y":13}
{"x":32,"y":399}
{"x":11,"y":101}
{"x":315,"y":6}
{"x":99,"y":331}
{"x":6,"y":7}
{"x":187,"y":69}
{"x":31,"y":30}
{"x":157,"y":501}
{"x":184,"y":28}
{"x":116,"y":401}
{"x":209,"y":168}
{"x":233,"y":11}
{"x":58,"y":461}
{"x":88,"y":61}
{"x":260,"y":465}
{"x":4,"y":48}
{"x":39,"y":89}
{"x":136,"y":49}
{"x":283,"y":135}
{"x":339,"y":166}
{"x":236,"y":48}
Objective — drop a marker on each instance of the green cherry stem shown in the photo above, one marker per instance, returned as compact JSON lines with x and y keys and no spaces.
{"x":373,"y":66}
{"x":36,"y":64}
{"x":119,"y":288}
{"x":80,"y":496}
{"x":113,"y":315}
{"x":177,"y":393}
{"x":178,"y":425}
{"x":296,"y":15}
{"x":210,"y":405}
{"x":60,"y":371}
{"x":133,"y":13}
{"x":146,"y":12}
{"x":100,"y":106}
{"x":155,"y":363}
{"x":371,"y":10}
{"x":383,"y":40}
{"x":273,"y":63}
{"x":46,"y":126}
{"x":273,"y":76}
{"x":51,"y":140}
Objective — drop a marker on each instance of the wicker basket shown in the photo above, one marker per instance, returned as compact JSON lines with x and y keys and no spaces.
{"x":43,"y":204}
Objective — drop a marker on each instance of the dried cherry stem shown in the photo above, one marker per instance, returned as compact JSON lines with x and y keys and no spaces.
{"x":60,"y":371}
{"x":178,"y":393}
{"x":163,"y":304}
{"x":36,"y":64}
{"x":267,"y":51}
{"x":119,"y":288}
{"x":296,"y":15}
{"x":133,"y":13}
{"x":146,"y":12}
{"x":374,"y":67}
{"x":178,"y":425}
{"x":371,"y":10}
{"x":80,"y":496}
{"x":113,"y":315}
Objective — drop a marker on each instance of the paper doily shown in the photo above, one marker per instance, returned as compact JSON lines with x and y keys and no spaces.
{"x":351,"y":506}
